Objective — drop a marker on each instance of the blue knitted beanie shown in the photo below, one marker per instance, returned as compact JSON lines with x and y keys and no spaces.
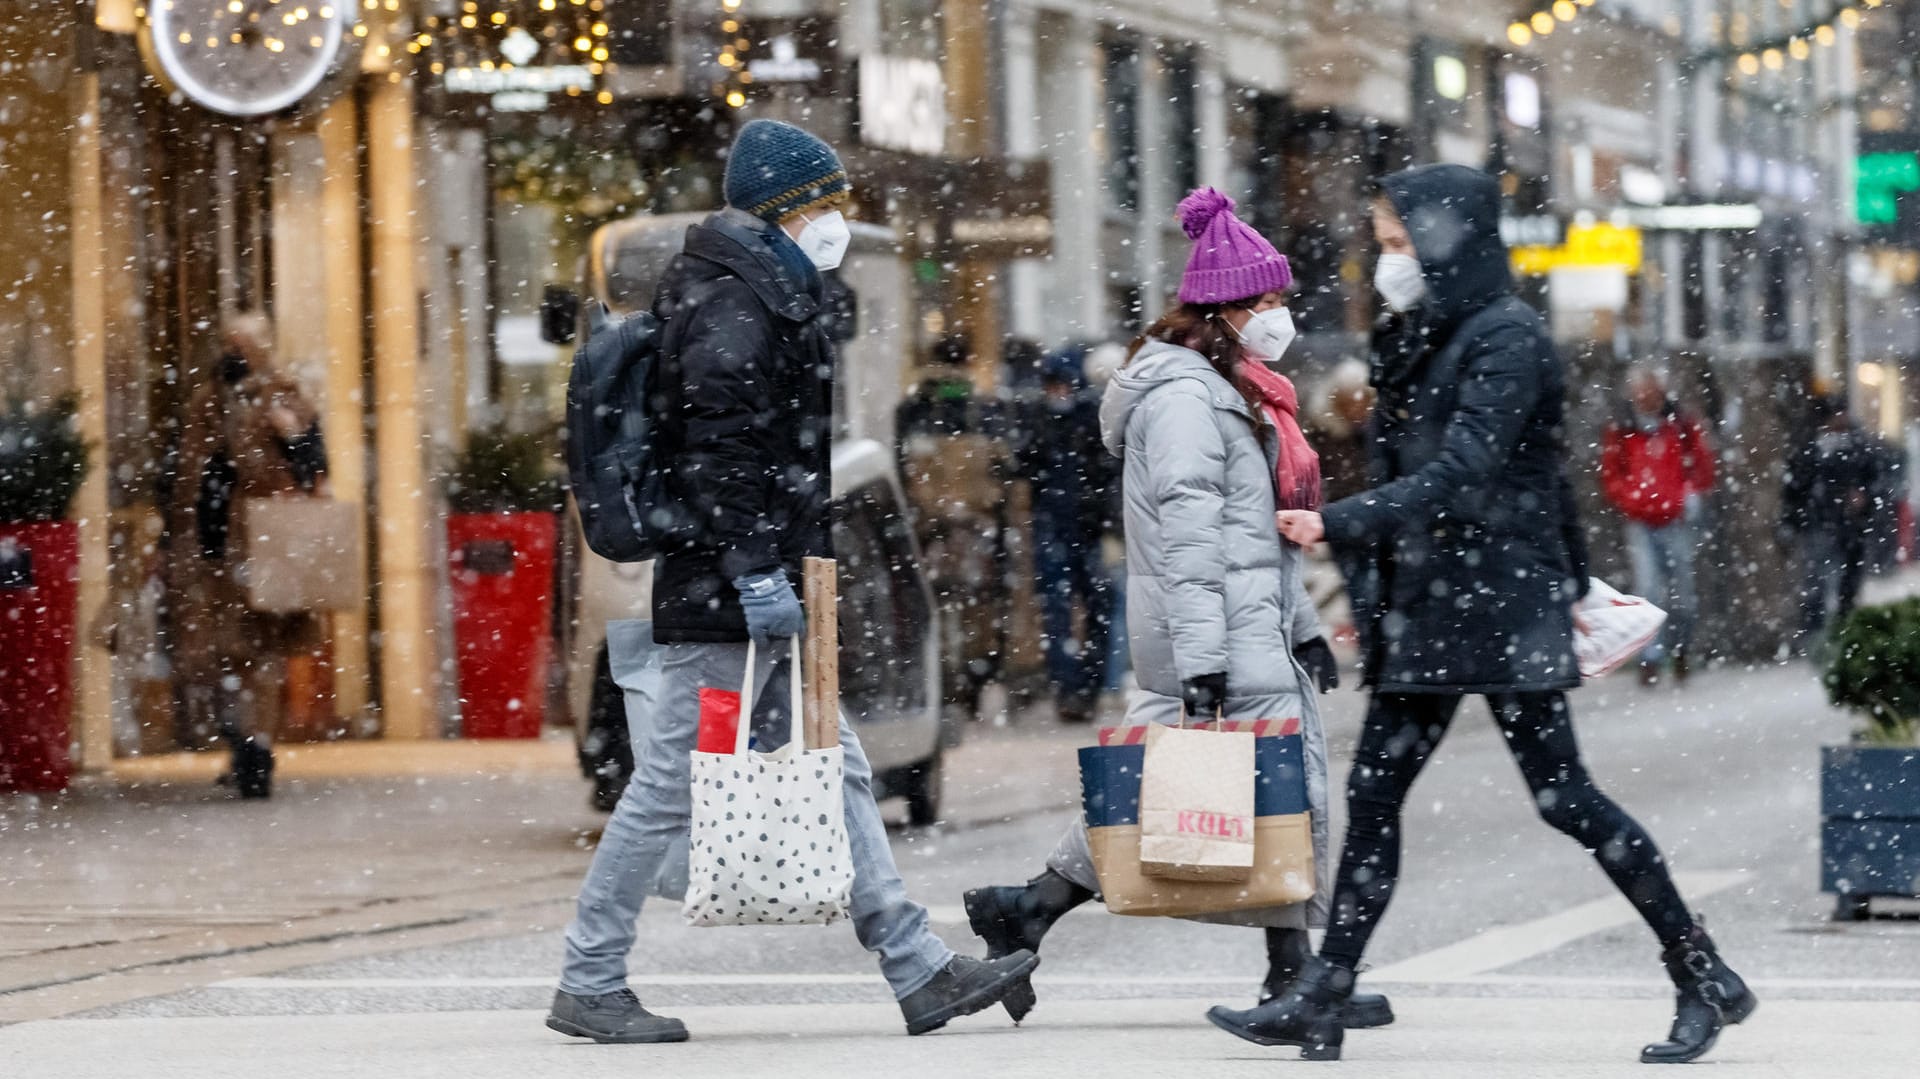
{"x":777,"y":170}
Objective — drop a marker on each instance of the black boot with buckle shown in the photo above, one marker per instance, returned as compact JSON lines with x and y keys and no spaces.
{"x":1012,"y":919}
{"x":1287,"y":952}
{"x":1709,"y":997}
{"x":1310,"y":1014}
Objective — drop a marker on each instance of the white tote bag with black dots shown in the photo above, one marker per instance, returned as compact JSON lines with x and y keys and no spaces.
{"x":769,"y":836}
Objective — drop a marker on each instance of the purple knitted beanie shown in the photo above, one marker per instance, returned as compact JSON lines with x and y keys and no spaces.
{"x":1230,"y":261}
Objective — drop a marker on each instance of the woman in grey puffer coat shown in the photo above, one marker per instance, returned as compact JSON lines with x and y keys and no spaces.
{"x":1217,"y":613}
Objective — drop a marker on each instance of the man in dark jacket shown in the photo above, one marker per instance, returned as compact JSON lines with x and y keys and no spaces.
{"x":1474,"y":560}
{"x":1830,"y":500}
{"x":743,"y":397}
{"x":1070,"y":474}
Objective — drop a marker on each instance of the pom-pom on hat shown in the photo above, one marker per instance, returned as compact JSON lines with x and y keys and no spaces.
{"x":777,"y":170}
{"x":1230,"y":261}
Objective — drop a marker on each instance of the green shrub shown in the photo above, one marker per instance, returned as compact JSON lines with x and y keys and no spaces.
{"x":1874,"y":670}
{"x":505,"y":472}
{"x":43,"y":460}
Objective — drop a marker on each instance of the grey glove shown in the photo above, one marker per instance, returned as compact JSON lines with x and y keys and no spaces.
{"x":771,"y":607}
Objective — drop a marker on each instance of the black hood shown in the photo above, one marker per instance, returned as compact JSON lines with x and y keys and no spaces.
{"x":1453,"y":214}
{"x":744,"y":246}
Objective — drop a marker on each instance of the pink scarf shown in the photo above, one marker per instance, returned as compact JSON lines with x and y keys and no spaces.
{"x":1297,"y":480}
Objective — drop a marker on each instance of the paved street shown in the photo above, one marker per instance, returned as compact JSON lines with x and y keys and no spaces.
{"x":361,"y":923}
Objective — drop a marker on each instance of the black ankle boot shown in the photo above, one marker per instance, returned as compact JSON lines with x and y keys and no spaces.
{"x":1287,"y":953}
{"x":1308,"y":1014}
{"x":1012,"y":919}
{"x":1709,"y":997}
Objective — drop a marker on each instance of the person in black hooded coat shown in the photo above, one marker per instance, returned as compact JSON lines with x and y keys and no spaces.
{"x":1469,"y":559}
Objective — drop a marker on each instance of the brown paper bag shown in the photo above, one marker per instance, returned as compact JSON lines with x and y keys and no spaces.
{"x":1196,"y":804}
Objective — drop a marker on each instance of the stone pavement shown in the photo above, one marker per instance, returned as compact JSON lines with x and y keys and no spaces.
{"x":1436,"y":1038}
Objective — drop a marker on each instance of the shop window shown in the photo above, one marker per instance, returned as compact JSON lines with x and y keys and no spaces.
{"x":640,"y":32}
{"x":1182,"y":127}
{"x":1122,"y":69}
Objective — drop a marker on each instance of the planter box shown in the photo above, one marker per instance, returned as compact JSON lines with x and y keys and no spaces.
{"x":1870,"y":835}
{"x":39,"y":597}
{"x":501,"y":565}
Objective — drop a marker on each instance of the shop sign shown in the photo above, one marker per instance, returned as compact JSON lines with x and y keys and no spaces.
{"x":1530,"y":230}
{"x":1885,"y":182}
{"x":785,"y":65}
{"x":514,"y":86}
{"x":1693,"y":218}
{"x":1588,"y":247}
{"x":903,"y":104}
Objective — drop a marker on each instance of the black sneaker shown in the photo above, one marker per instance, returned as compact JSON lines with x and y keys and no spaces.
{"x":612,"y":1018}
{"x":965,"y":986}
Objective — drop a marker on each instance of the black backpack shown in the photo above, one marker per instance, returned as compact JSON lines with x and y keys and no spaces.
{"x":619,"y":482}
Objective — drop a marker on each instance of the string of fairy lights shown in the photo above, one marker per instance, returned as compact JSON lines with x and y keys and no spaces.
{"x":1747,"y":56}
{"x":571,"y":32}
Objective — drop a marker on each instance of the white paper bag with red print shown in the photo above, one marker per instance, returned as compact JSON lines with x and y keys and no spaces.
{"x":1196,"y":804}
{"x":1610,"y":627}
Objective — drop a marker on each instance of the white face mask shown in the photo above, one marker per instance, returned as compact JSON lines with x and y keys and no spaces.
{"x":1268,"y":333}
{"x":824,"y":240}
{"x":1399,"y":281}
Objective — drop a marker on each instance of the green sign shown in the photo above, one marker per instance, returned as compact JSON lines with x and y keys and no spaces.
{"x":1879,"y":181}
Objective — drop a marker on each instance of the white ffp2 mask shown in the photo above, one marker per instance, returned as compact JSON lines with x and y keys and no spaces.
{"x":1399,"y":281}
{"x":1268,"y":333}
{"x":824,"y":240}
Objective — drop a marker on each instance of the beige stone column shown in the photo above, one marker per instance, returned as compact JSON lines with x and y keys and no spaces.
{"x":403,"y":495}
{"x":318,"y":313}
{"x":93,"y":703}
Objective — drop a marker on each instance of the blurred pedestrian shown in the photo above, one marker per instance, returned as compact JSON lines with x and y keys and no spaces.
{"x":954,"y":463}
{"x":1828,"y":499}
{"x":1473,"y":520}
{"x":1657,"y":468}
{"x":744,"y":403}
{"x":249,"y":433}
{"x":1339,"y":429}
{"x":1069,"y":477}
{"x":1209,"y":443}
{"x":1103,"y":362}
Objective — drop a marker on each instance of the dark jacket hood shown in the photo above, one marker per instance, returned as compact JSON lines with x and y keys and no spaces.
{"x":745,"y":246}
{"x":1453,"y":214}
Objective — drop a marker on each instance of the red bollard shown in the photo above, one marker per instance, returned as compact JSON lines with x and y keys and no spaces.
{"x":502,"y":570}
{"x":39,"y":601}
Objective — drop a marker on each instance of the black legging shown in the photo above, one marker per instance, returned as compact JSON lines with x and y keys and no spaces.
{"x":1401,"y":733}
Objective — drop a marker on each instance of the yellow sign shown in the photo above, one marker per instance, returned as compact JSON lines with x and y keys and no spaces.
{"x":1587,"y":247}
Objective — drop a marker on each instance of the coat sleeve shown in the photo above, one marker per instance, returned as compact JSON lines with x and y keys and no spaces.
{"x":1701,"y":472}
{"x":1500,"y":384}
{"x":1186,"y":471}
{"x":1615,"y":478}
{"x":728,"y":390}
{"x":1306,"y":615}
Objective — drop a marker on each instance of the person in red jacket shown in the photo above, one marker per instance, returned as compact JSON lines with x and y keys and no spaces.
{"x":1655,"y":466}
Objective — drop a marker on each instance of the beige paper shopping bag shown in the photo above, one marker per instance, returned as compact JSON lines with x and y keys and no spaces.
{"x":1196,"y":804}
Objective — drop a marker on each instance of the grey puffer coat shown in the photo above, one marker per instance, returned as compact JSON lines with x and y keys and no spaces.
{"x":1211,"y":586}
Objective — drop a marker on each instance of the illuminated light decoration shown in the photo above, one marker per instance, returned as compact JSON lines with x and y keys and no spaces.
{"x":729,"y":27}
{"x":1824,"y":35}
{"x":727,"y":59}
{"x":1749,"y":64}
{"x":583,"y":43}
{"x":604,"y":97}
{"x":360,"y":30}
{"x":1799,"y":48}
{"x":1564,"y":10}
{"x":548,"y":5}
{"x":1773,"y":59}
{"x":599,"y":53}
{"x":1873,"y":3}
{"x":1519,"y":33}
{"x":469,"y":21}
{"x":1542,"y":23}
{"x":498,"y":18}
{"x":599,"y":29}
{"x":736,"y":99}
{"x":730,"y":5}
{"x":1851,"y":17}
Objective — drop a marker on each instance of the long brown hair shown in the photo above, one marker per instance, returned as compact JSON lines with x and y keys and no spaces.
{"x":1203,"y":328}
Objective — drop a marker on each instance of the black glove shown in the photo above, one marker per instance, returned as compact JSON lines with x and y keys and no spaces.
{"x":1204,"y":695}
{"x":1317,"y":657}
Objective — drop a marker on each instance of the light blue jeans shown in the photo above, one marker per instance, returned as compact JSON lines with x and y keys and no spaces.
{"x":1663,"y":574}
{"x":644,"y":845}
